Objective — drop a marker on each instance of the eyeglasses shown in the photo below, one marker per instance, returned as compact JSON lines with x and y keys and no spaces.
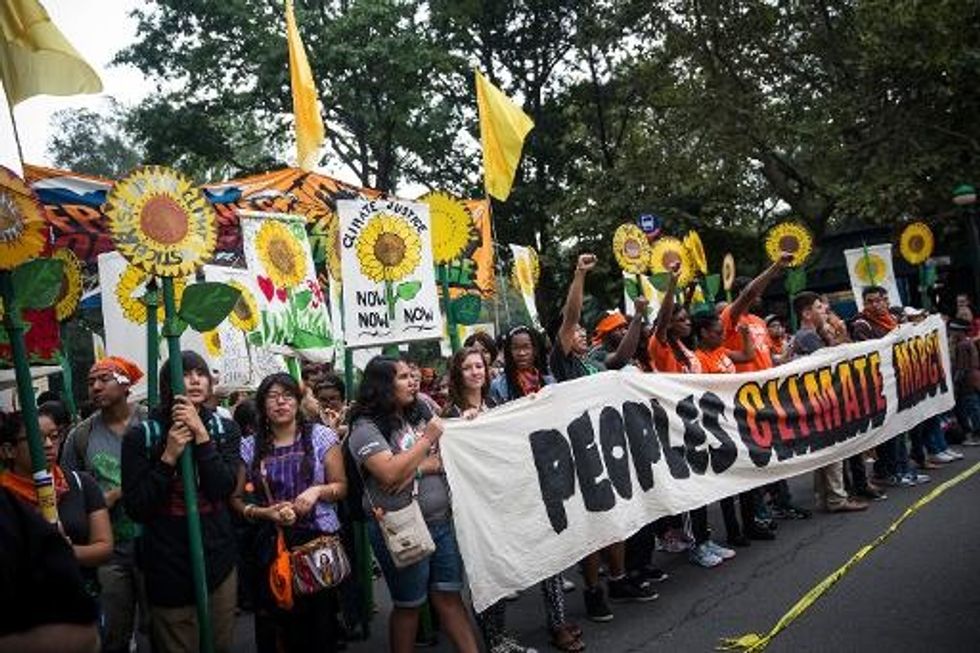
{"x":276,"y":397}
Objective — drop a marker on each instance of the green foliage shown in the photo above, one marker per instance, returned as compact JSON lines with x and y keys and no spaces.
{"x":466,"y":309}
{"x":94,"y":143}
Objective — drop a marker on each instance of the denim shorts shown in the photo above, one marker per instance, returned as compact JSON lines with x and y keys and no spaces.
{"x":442,"y":571}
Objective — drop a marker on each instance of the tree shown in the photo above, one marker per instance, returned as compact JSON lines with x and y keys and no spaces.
{"x":93,"y":143}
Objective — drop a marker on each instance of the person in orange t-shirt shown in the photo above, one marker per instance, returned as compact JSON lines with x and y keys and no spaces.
{"x":667,"y":353}
{"x":738,"y":312}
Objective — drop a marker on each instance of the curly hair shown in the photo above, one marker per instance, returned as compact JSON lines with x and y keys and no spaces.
{"x":265,"y":438}
{"x":510,"y":367}
{"x":457,"y":387}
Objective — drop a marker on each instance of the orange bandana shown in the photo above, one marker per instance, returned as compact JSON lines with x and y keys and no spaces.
{"x":607,"y":325}
{"x":125,"y":371}
{"x":23,"y":486}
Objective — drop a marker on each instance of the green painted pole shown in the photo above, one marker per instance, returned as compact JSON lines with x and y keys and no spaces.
{"x":67,"y":381}
{"x":152,"y":300}
{"x":43,"y":480}
{"x":450,"y":320}
{"x":188,"y":475}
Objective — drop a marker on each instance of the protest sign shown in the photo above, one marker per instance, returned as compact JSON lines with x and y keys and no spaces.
{"x":872,"y":266}
{"x":541,"y":482}
{"x":387,"y":267}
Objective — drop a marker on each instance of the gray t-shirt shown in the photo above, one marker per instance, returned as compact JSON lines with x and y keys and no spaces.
{"x":806,"y":341}
{"x":366,"y":440}
{"x":103,"y":460}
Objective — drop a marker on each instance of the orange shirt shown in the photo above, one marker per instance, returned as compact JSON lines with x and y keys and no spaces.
{"x":664,"y":360}
{"x":715,"y":361}
{"x":760,"y":338}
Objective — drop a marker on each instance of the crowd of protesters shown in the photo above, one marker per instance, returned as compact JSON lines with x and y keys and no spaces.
{"x":302,"y":460}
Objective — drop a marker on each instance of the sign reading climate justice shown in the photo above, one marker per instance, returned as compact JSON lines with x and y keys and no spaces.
{"x":541,"y":482}
{"x":389,"y":279}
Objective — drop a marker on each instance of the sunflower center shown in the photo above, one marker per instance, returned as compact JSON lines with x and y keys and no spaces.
{"x":669,"y":259}
{"x":789,"y":243}
{"x":163,"y":220}
{"x":916,"y":243}
{"x":11,"y":224}
{"x":389,"y":249}
{"x":242,"y":310}
{"x":631,"y":248}
{"x":281,"y":256}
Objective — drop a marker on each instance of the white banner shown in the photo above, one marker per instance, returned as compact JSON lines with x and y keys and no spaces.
{"x":389,"y":278}
{"x":872,"y":268}
{"x":294,"y":317}
{"x":124,"y":315}
{"x":543,"y":481}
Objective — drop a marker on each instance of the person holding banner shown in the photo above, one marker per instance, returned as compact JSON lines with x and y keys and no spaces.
{"x":525,"y":373}
{"x":570,"y":360}
{"x":469,"y":396}
{"x":299,"y":465}
{"x":95,"y":446}
{"x":152,"y":491}
{"x":828,"y":482}
{"x":393,"y":440}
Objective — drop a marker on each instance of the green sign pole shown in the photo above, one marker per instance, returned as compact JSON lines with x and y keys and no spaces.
{"x":188,"y":474}
{"x":152,"y":300}
{"x":446,"y":305}
{"x":67,"y":380}
{"x":43,"y":480}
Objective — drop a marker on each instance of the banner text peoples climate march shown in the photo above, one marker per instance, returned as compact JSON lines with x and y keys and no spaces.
{"x":586,"y":463}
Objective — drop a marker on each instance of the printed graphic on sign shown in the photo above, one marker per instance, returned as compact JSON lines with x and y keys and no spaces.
{"x":389,"y":283}
{"x":294,"y":317}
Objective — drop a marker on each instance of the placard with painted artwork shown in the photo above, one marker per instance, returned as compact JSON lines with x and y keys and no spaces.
{"x":387,"y":267}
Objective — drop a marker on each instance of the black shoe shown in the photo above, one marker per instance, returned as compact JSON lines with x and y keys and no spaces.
{"x":798,"y":513}
{"x":739,"y":541}
{"x":760,"y":533}
{"x":596,"y":606}
{"x":650,"y":574}
{"x":625,"y":589}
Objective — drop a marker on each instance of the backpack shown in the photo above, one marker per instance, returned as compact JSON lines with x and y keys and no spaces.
{"x":153,"y":432}
{"x":83,"y":433}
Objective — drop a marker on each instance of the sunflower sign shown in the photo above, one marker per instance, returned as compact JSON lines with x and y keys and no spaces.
{"x":872,"y":266}
{"x":387,"y":264}
{"x":525,"y":275}
{"x":293,"y":317}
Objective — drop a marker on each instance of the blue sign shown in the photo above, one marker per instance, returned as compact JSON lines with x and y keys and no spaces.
{"x":649,"y":223}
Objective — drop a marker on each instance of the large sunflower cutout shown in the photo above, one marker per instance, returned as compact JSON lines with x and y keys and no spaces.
{"x":526,"y":272}
{"x":692,"y":241}
{"x":23,"y":231}
{"x":245,"y":314}
{"x":916,"y":243}
{"x":281,"y":254}
{"x":667,"y":251}
{"x":789,"y":237}
{"x":452,"y":226}
{"x":131,"y":289}
{"x":161,"y":222}
{"x":388,"y":248}
{"x":631,"y":249}
{"x":71,"y":284}
{"x":728,"y":271}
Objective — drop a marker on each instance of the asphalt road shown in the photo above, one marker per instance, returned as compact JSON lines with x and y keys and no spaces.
{"x":918,"y":591}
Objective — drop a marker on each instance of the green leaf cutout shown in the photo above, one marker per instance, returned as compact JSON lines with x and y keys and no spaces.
{"x":204,"y":305}
{"x":407,"y":291}
{"x":631,"y":287}
{"x":466,"y":309}
{"x":660,"y":280}
{"x":795,"y":280}
{"x":712,"y":284}
{"x":38,"y":283}
{"x":302,"y":299}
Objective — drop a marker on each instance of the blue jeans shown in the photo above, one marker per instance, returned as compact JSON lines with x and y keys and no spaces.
{"x":968,"y":410}
{"x":442,"y":571}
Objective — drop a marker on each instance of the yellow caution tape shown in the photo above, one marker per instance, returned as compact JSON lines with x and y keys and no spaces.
{"x":752,"y":642}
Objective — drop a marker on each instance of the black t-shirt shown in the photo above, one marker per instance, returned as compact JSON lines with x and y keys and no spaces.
{"x":83,"y":498}
{"x":566,"y":367}
{"x":40,"y":582}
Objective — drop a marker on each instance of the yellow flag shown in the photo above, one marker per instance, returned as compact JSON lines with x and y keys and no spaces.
{"x":36,"y":58}
{"x":503,"y":126}
{"x":306,"y":109}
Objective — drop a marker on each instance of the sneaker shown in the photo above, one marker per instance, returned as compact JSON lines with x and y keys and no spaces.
{"x":955,"y":455}
{"x":567,"y":585}
{"x":971,"y":441}
{"x":898,"y":480}
{"x":651,"y":574}
{"x":722,"y":552}
{"x":918,"y":479}
{"x":850,"y":505}
{"x":703,"y":556}
{"x":940,"y":458}
{"x":625,"y":589}
{"x":871,"y":494}
{"x":510,"y":645}
{"x":596,"y":606}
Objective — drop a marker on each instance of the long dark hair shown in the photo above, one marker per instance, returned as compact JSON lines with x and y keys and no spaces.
{"x":674,"y":340}
{"x":265,"y":438}
{"x":510,"y":367}
{"x":457,"y":387}
{"x":191,"y":360}
{"x":376,"y":398}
